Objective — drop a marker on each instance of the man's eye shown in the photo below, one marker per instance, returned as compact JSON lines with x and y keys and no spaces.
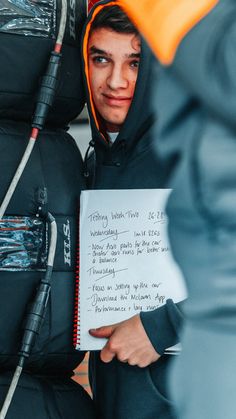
{"x":135,"y":63}
{"x":99,"y":59}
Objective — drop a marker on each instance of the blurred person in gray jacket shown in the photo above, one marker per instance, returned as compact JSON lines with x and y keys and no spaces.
{"x":195,"y":98}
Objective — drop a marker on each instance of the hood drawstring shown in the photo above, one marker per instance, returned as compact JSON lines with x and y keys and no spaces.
{"x":86,"y":172}
{"x":89,"y":170}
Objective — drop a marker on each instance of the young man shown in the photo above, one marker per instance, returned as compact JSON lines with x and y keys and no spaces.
{"x":119,"y":75}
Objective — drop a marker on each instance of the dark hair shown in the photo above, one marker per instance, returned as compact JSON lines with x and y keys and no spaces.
{"x":113,"y":17}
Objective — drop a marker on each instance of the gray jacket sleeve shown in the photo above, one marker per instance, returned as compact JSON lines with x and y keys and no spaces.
{"x":163,"y":325}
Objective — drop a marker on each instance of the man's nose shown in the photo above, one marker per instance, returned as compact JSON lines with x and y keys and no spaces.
{"x":117,"y":78}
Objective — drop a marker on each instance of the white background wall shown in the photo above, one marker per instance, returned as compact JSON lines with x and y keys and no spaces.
{"x":81,"y":133}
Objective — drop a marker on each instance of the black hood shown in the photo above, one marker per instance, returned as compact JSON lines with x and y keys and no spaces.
{"x":140,"y":114}
{"x":28,"y":31}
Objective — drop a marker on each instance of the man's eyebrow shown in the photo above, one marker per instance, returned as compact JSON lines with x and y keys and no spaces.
{"x":134,"y":55}
{"x":95,"y":50}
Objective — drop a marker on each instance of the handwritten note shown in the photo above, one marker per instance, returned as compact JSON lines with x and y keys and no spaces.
{"x":126,"y":264}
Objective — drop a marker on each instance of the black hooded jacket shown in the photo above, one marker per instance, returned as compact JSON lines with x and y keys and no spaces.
{"x":131,"y":163}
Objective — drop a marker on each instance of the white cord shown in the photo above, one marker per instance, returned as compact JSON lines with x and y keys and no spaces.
{"x":10,"y":392}
{"x":17,"y":176}
{"x":18,"y":371}
{"x":53,"y":242}
{"x":63,"y":19}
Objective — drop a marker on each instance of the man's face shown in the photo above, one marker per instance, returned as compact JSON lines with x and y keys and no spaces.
{"x":113,"y":69}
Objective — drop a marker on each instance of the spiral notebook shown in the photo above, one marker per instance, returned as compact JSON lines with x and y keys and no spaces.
{"x":124,"y":263}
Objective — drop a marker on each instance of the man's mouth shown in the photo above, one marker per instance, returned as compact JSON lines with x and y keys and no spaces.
{"x":116,"y":100}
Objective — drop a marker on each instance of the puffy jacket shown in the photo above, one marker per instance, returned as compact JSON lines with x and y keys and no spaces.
{"x":51,"y":180}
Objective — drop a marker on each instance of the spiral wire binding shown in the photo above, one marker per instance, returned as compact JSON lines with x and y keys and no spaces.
{"x":76,"y":330}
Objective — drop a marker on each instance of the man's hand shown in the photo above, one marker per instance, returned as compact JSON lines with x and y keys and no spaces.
{"x":127,"y":341}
